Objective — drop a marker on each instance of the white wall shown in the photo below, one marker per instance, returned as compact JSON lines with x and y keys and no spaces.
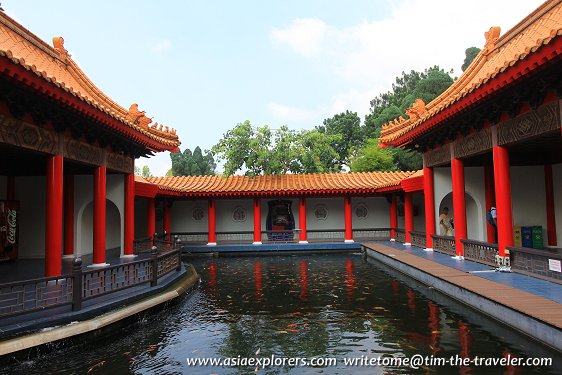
{"x":31,"y":192}
{"x":378,"y":212}
{"x":528,"y":196}
{"x":83,"y":196}
{"x":557,"y":182}
{"x":475,"y":199}
{"x":182,"y":216}
{"x":335,"y":219}
{"x":419,"y":220}
{"x":225,"y":208}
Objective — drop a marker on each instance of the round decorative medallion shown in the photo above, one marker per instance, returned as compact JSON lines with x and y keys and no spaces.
{"x":198,"y":213}
{"x":361,"y":211}
{"x":320,"y":212}
{"x":239,"y":214}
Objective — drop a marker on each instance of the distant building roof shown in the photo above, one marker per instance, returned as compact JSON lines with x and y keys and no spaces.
{"x":55,"y":67}
{"x":279,"y":185}
{"x":531,"y":43}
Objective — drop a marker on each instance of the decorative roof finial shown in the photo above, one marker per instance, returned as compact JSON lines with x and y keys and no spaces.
{"x":492,"y":36}
{"x":58,"y":44}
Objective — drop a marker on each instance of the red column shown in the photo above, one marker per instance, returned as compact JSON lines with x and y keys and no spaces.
{"x":393,"y":217}
{"x":150,"y":217}
{"x":429,"y":202}
{"x":11,"y":188}
{"x":502,"y":180}
{"x":550,"y":216}
{"x":302,"y":220}
{"x":490,"y":200}
{"x":68,"y":216}
{"x":212,"y":241}
{"x":167,"y":219}
{"x":53,"y":224}
{"x":348,"y":219}
{"x":459,"y":204}
{"x":257,"y":221}
{"x":129,"y":219}
{"x":99,"y":215}
{"x":408,"y":217}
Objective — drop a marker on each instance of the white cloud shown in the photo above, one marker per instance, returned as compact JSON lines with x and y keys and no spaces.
{"x":161,"y":46}
{"x":159,"y":164}
{"x":367,"y":57}
{"x":304,"y":35}
{"x":291,"y":114}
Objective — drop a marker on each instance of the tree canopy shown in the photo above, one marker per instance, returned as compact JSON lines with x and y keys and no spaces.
{"x":194,"y":163}
{"x":372,"y":158}
{"x":426,"y":85}
{"x":348,"y":132}
{"x":262,"y":150}
{"x":470,"y":55}
{"x":144,"y":172}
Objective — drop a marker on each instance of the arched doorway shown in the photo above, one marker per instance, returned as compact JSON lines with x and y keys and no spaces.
{"x":474,"y":215}
{"x":112,"y":228}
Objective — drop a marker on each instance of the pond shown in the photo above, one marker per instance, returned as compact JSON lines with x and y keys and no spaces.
{"x":305,"y":308}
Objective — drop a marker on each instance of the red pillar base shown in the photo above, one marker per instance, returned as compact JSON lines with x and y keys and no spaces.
{"x":257,"y":222}
{"x":212,"y":217}
{"x":348,"y":220}
{"x":302,"y":220}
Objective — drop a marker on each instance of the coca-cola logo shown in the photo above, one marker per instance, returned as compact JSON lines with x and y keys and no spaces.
{"x":11,"y":235}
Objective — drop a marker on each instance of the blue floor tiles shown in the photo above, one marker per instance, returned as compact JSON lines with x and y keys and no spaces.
{"x":526,"y":283}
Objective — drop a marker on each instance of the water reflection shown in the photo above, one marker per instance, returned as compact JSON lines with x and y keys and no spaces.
{"x":287,"y":306}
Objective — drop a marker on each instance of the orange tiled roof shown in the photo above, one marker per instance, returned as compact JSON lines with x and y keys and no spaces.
{"x":54,"y":65}
{"x":321,"y":183}
{"x":538,"y":29}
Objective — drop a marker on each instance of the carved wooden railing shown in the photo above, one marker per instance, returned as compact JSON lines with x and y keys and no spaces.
{"x":481,"y":252}
{"x":371,"y":234}
{"x":30,"y":296}
{"x":418,"y":239}
{"x":34,"y":295}
{"x":400,"y":235}
{"x":544,"y":264}
{"x":142,"y":245}
{"x":444,"y":244}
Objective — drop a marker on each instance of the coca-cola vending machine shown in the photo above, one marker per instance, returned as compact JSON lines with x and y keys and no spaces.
{"x":9,"y":231}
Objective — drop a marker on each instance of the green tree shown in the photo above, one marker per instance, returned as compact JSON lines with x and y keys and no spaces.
{"x":426,"y":85}
{"x":348,"y":126}
{"x":146,"y":171}
{"x":194,"y":163}
{"x":470,"y":55}
{"x":315,"y":154}
{"x":373,"y":158}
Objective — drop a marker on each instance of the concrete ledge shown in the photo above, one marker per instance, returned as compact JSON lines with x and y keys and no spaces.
{"x":79,"y":328}
{"x":543,"y":332}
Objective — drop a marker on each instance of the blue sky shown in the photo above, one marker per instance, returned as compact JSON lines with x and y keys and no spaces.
{"x":204,"y":66}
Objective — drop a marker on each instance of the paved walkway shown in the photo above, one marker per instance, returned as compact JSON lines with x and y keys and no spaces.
{"x":529,"y":284}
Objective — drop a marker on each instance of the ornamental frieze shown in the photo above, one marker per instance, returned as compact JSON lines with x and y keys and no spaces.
{"x":474,"y":143}
{"x":543,"y":120}
{"x":21,"y":134}
{"x":83,"y":152}
{"x":120,"y":163}
{"x":438,"y":156}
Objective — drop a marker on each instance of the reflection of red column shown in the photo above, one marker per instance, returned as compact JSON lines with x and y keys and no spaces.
{"x":502,"y":181}
{"x":54,"y":207}
{"x":212,"y":241}
{"x":429,"y":202}
{"x":395,"y":288}
{"x":434,"y":325}
{"x":129,"y":219}
{"x":408,"y":217}
{"x":348,"y":219}
{"x":11,"y":188}
{"x":99,"y":215}
{"x":393,"y":216}
{"x":213,"y":274}
{"x":349,"y":279}
{"x":167,"y":219}
{"x":303,"y":265}
{"x":459,"y":204}
{"x":510,"y":368}
{"x":550,"y":215}
{"x":150,"y":217}
{"x":68,"y":192}
{"x":258,"y":280}
{"x":465,"y":338}
{"x":302,"y":220}
{"x":257,"y":221}
{"x":411,"y":299}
